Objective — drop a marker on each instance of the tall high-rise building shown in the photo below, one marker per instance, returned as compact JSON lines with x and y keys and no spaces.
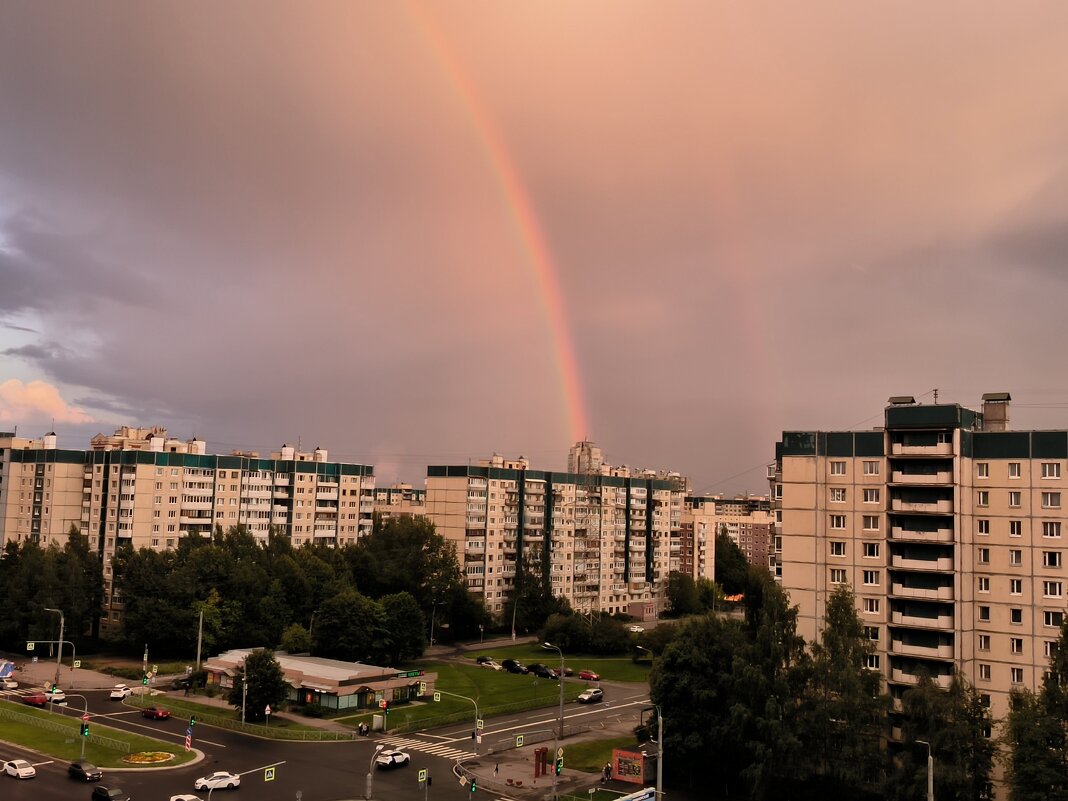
{"x":746,"y":519}
{"x":949,"y":529}
{"x":608,"y":537}
{"x":142,"y":488}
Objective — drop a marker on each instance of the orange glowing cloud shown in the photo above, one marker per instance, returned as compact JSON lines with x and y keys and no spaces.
{"x":36,"y":401}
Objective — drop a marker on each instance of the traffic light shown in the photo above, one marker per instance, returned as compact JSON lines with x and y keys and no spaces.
{"x":192,"y":721}
{"x":474,"y":785}
{"x":559,"y":765}
{"x":85,"y":730}
{"x":144,"y":680}
{"x":54,"y":688}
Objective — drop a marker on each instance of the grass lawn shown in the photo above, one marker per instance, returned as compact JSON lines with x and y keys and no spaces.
{"x":67,"y":746}
{"x":131,"y":672}
{"x":183,"y":707}
{"x":591,"y":755}
{"x":611,"y":668}
{"x":495,"y":691}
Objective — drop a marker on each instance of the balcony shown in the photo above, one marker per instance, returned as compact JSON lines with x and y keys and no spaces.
{"x":281,"y":492}
{"x":897,"y":477}
{"x":938,"y":535}
{"x":938,"y":622}
{"x":326,"y":495}
{"x":197,"y":505}
{"x":925,"y":593}
{"x":930,"y":652}
{"x":938,"y":449}
{"x":901,"y":677}
{"x":943,"y":563}
{"x":257,"y":492}
{"x":928,"y":507}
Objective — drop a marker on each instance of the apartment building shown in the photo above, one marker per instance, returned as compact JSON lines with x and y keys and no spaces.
{"x":949,"y":528}
{"x":608,"y":536}
{"x":746,"y":519}
{"x":399,"y":500}
{"x":143,"y":488}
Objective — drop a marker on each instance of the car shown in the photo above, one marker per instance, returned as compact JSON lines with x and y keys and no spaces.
{"x":182,"y":683}
{"x":57,"y":696}
{"x":155,"y":713}
{"x":9,"y":684}
{"x":635,"y":629}
{"x":489,"y":663}
{"x":84,"y":771}
{"x":589,"y":675}
{"x":20,"y":769}
{"x":542,"y":671}
{"x":483,"y":659}
{"x":568,"y":671}
{"x":35,"y":699}
{"x":185,"y":797}
{"x":101,"y":793}
{"x":512,"y":666}
{"x":219,"y":780}
{"x":120,"y":692}
{"x":591,"y":696}
{"x":392,"y":759}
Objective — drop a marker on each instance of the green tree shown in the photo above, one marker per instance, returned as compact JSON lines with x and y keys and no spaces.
{"x":81,"y":578}
{"x":732,"y":569}
{"x":1037,"y":755}
{"x":532,"y":601}
{"x":406,"y":626}
{"x":682,"y":596}
{"x":296,"y":640}
{"x":266,"y":685}
{"x":352,"y":627}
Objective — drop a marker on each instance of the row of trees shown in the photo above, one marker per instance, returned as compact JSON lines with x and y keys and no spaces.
{"x":754,"y":710}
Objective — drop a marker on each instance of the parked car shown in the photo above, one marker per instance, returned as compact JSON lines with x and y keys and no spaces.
{"x":489,"y":663}
{"x":512,"y":666}
{"x":589,"y":675}
{"x":155,"y":713}
{"x":220,"y":780}
{"x":101,"y":793}
{"x":636,"y":629}
{"x":185,"y":797}
{"x":542,"y":671}
{"x":120,"y":692}
{"x":483,"y":659}
{"x":182,"y":683}
{"x":392,"y":759}
{"x":35,"y":699}
{"x":84,"y":771}
{"x":568,"y":671}
{"x":20,"y":769}
{"x":591,"y":696}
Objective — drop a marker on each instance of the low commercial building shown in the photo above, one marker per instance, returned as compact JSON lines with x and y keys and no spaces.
{"x":330,"y":683}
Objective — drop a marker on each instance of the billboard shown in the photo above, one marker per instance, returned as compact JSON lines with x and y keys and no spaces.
{"x":628,"y":766}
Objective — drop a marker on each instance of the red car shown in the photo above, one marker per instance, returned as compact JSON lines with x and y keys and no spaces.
{"x":589,"y":675}
{"x":155,"y":713}
{"x":37,"y":699}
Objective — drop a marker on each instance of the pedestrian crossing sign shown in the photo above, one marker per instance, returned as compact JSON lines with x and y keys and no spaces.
{"x":422,"y":775}
{"x":437,"y":696}
{"x":422,"y":688}
{"x":268,"y":774}
{"x":519,"y":741}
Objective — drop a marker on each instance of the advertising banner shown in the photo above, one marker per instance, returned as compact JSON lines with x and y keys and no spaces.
{"x":628,"y":766}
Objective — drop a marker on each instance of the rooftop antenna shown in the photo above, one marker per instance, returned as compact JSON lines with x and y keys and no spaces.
{"x":936,"y":396}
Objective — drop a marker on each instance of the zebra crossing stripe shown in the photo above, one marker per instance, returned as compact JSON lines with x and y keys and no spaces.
{"x":427,"y":748}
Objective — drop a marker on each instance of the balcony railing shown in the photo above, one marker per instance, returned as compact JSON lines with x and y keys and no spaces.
{"x":933,"y":593}
{"x":938,"y":535}
{"x":943,"y":563}
{"x":939,"y":622}
{"x":898,"y":477}
{"x":936,"y":507}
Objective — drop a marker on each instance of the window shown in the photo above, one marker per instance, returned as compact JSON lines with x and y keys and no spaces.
{"x":1049,"y":648}
{"x":838,"y":576}
{"x":1015,"y":528}
{"x":1016,"y":616}
{"x":1052,"y":589}
{"x":982,"y":498}
{"x":871,"y":578}
{"x":837,"y":548}
{"x":871,"y":468}
{"x":871,"y":550}
{"x":838,"y":494}
{"x":838,"y":468}
{"x":1014,"y":469}
{"x":1015,"y":586}
{"x":1015,"y":557}
{"x":1014,"y":498}
{"x":1051,"y":470}
{"x":1051,"y":500}
{"x":984,"y":672}
{"x":1016,"y":645}
{"x":871,"y":522}
{"x":984,"y":614}
{"x":1051,"y":558}
{"x":1052,"y":619}
{"x":1051,"y":528}
{"x":838,"y":521}
{"x":871,"y":606}
{"x":984,"y":556}
{"x":872,"y":661}
{"x":982,"y":470}
{"x":984,"y":584}
{"x":872,"y":633}
{"x":984,"y":701}
{"x":984,"y":642}
{"x":1016,"y":675}
{"x":983,"y":527}
{"x":871,"y":496}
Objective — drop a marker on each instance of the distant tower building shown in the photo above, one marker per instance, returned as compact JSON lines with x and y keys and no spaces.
{"x":584,"y":458}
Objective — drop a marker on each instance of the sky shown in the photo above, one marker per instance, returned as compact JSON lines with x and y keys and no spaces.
{"x":420,"y":233}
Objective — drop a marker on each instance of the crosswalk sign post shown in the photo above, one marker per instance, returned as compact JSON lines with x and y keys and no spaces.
{"x":480,"y":724}
{"x":422,"y":775}
{"x":437,"y":696}
{"x":422,"y":688}
{"x":519,"y":741}
{"x":268,"y":774}
{"x":29,"y":646}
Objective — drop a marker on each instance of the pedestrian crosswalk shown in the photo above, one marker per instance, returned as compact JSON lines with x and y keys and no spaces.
{"x":408,"y":744}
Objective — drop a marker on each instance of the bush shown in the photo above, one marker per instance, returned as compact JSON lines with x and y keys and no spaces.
{"x":313,"y":711}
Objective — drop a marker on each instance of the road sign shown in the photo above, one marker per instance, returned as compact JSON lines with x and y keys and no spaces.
{"x":382,"y":704}
{"x":478,"y":739}
{"x":422,"y":775}
{"x":85,"y":717}
{"x":268,"y":774}
{"x":188,"y":731}
{"x":480,"y":724}
{"x":422,"y":688}
{"x":29,"y":646}
{"x":560,"y":753}
{"x":518,"y":740}
{"x":463,"y":781}
{"x":77,"y":663}
{"x":267,"y":711}
{"x":437,"y":696}
{"x":35,"y":658}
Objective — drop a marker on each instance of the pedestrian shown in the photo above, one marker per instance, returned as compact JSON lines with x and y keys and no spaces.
{"x":496,"y":768}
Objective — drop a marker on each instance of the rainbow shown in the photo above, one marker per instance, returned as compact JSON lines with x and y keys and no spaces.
{"x":523,"y":217}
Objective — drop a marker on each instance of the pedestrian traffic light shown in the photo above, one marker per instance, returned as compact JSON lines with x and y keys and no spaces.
{"x":144,"y":679}
{"x":559,"y":765}
{"x":54,"y":688}
{"x":192,"y":721}
{"x":85,"y":730}
{"x":474,"y":785}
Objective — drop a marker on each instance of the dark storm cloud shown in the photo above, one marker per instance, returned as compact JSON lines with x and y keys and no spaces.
{"x":43,"y":352}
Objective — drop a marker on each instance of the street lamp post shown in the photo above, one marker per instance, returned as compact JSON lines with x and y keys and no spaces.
{"x":371,"y":772}
{"x":59,"y":655}
{"x":930,"y":770}
{"x":659,"y":743}
{"x":560,"y":732}
{"x":244,"y":695}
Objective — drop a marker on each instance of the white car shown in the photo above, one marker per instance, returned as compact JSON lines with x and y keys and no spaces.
{"x":591,"y":696}
{"x":392,"y":759}
{"x":9,"y":684}
{"x":120,"y":692}
{"x":220,"y":780}
{"x":636,"y":629}
{"x":56,"y":696}
{"x":20,"y":769}
{"x":185,"y":797}
{"x":491,"y":665}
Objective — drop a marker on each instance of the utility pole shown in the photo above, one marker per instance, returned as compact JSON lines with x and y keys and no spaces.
{"x":59,"y":654}
{"x":930,"y":765}
{"x":244,"y":695}
{"x":200,"y":637}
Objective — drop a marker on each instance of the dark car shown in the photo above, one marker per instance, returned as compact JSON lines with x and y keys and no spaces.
{"x":542,"y":671}
{"x":482,"y":659}
{"x":513,"y":666}
{"x":101,"y":793}
{"x":155,"y":713}
{"x":181,"y":683}
{"x":84,"y":771}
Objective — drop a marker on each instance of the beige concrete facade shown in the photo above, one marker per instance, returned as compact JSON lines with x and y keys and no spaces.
{"x":399,"y":500}
{"x":609,"y":538}
{"x":142,"y":488}
{"x":746,"y":519}
{"x":952,"y":536}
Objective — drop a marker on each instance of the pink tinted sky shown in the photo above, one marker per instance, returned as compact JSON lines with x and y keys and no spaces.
{"x":264,"y":222}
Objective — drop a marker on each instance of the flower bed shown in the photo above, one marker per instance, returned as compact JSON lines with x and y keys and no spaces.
{"x":148,"y":757}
